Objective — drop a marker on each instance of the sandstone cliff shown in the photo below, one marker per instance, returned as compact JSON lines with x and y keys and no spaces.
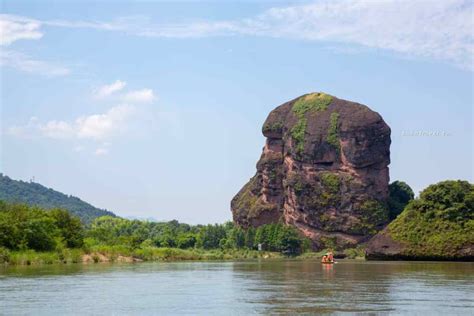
{"x":324,"y":169}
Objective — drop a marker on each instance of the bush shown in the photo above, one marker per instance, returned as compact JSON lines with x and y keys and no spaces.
{"x":439,"y":222}
{"x":279,"y":237}
{"x":400,"y":194}
{"x":4,"y":255}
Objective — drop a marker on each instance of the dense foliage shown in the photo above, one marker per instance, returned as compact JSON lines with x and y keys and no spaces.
{"x":400,"y":194}
{"x":133,"y":233}
{"x":23,"y":227}
{"x":35,"y":194}
{"x":439,"y":223}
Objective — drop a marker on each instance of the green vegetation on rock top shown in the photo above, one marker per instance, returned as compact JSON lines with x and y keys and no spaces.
{"x":439,"y":222}
{"x":313,"y":102}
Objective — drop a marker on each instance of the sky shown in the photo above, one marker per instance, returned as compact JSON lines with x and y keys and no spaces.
{"x":154,"y":109}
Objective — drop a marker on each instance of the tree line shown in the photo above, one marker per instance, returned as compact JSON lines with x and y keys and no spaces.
{"x":24,"y":227}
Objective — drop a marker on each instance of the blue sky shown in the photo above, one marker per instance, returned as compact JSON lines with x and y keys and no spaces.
{"x":154,"y":109}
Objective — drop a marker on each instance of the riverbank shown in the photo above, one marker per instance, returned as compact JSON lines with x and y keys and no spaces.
{"x":111,"y":254}
{"x":121,"y":254}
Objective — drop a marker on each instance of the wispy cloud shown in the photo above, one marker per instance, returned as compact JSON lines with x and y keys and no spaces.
{"x":25,"y":63}
{"x":101,"y":151}
{"x":14,"y":28}
{"x":109,"y":89}
{"x":434,"y":29}
{"x":97,"y":127}
{"x":57,"y":129}
{"x":440,"y":30}
{"x":139,"y":96}
{"x":102,"y":126}
{"x":133,"y":96}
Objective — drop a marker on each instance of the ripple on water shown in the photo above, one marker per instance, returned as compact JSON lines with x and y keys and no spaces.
{"x":269,"y":286}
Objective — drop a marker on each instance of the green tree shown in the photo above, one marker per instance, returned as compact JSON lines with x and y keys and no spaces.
{"x":289,"y":240}
{"x":400,"y":194}
{"x":250,"y":238}
{"x":210,"y":236}
{"x":186,"y":240}
{"x":70,"y":228}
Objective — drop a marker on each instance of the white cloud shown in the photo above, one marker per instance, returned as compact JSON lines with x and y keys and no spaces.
{"x":107,"y":90}
{"x":57,"y":129}
{"x":139,"y":96}
{"x":14,"y":28}
{"x":101,"y":151}
{"x":134,"y":96}
{"x":96,"y":127}
{"x":24,"y":131}
{"x":27,"y":64}
{"x":436,"y":29}
{"x":101,"y":126}
{"x":440,"y":30}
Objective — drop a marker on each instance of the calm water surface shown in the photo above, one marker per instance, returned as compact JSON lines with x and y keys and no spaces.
{"x":239,"y":288}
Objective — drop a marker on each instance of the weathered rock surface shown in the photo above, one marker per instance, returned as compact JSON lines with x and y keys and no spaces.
{"x":324,"y":169}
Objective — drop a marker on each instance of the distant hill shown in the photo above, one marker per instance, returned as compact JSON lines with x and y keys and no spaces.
{"x":35,"y":194}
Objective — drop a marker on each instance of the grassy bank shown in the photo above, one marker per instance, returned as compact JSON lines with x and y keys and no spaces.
{"x":100,"y":254}
{"x":122,"y":254}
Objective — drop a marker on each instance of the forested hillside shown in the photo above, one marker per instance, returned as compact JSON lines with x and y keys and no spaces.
{"x":35,"y":194}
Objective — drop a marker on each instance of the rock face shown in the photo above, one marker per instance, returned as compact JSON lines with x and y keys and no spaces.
{"x":324,"y":169}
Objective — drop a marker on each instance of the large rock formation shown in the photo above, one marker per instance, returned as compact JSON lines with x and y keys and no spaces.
{"x":324,"y":169}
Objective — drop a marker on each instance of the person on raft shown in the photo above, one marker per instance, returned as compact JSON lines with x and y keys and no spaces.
{"x":328,"y":257}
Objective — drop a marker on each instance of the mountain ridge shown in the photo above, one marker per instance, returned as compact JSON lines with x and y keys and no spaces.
{"x":32,"y":193}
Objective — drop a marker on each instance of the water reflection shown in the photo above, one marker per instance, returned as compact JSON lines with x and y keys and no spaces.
{"x":356,"y":286}
{"x":245,"y":287}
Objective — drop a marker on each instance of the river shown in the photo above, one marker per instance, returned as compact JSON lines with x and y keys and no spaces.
{"x":239,"y":288}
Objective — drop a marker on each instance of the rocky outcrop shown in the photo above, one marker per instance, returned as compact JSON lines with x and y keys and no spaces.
{"x":384,"y":246}
{"x":324,"y":169}
{"x":439,"y":225}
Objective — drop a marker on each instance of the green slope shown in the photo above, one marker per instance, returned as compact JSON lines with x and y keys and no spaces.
{"x":439,"y":225}
{"x":35,"y":194}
